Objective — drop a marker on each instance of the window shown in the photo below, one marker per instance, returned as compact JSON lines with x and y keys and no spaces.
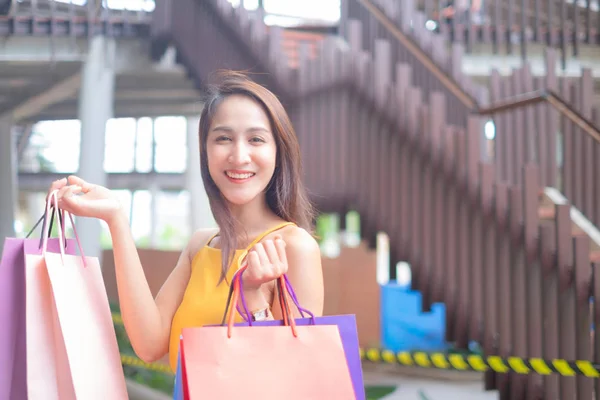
{"x":144,"y":145}
{"x":120,"y":145}
{"x":53,"y":147}
{"x":173,"y":227}
{"x":170,"y":135}
{"x":141,"y":217}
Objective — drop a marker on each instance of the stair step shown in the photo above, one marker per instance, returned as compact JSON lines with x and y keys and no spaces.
{"x":431,"y":390}
{"x":580,"y":226}
{"x":425,"y":383}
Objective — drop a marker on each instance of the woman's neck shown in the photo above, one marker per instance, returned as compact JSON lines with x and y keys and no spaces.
{"x":254,"y":217}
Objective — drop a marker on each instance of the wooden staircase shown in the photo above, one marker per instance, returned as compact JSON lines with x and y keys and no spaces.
{"x":293,"y":42}
{"x":580,"y":226}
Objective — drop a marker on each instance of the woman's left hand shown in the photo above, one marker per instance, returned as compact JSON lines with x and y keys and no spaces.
{"x":266,"y":262}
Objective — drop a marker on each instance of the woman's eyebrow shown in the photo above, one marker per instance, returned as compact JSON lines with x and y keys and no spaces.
{"x":227,"y":129}
{"x":221,"y":128}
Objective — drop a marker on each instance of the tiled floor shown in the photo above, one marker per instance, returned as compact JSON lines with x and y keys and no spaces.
{"x":416,"y":385}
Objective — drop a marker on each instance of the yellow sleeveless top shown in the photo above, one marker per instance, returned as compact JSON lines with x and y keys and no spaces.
{"x":204,"y":299}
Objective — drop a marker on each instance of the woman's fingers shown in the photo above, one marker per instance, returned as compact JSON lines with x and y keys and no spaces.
{"x":262,"y":254}
{"x":254,"y":266}
{"x":271,"y":252}
{"x":85,"y":186}
{"x":56,"y":185}
{"x":67,"y":199}
{"x":266,"y":261}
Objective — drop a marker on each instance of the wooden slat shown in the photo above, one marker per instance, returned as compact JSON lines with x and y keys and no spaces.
{"x":583,"y":274}
{"x":566,"y":300}
{"x":550,"y":308}
{"x":489,"y":262}
{"x":518,"y":287}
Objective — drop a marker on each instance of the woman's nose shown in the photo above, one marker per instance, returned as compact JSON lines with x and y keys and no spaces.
{"x":240,"y":154}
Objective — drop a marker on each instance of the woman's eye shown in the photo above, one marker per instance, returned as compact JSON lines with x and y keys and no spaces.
{"x":257,"y":140}
{"x":222,"y":138}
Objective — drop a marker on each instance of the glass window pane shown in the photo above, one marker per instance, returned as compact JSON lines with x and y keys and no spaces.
{"x":132,"y":5}
{"x":120,"y":145}
{"x":251,"y":5}
{"x":171,"y":144}
{"x":321,"y":10}
{"x":53,"y":147}
{"x":125,"y":198}
{"x":173,"y":226}
{"x":141,"y":217}
{"x":143,"y":151}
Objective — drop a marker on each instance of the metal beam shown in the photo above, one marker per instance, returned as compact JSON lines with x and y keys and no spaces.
{"x":35,"y":105}
{"x":42,"y":48}
{"x":36,"y":70}
{"x":33,"y":52}
{"x":123,"y":110}
{"x":157,"y":94}
{"x":40,"y":181}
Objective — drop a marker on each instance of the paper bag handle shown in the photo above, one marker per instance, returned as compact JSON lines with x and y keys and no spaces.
{"x":234,"y":297}
{"x":44,"y":220}
{"x":282,"y":285}
{"x":61,"y":233}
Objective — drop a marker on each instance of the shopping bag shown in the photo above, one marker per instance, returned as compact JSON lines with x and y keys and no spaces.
{"x":348,"y":333}
{"x":269,"y":362}
{"x":71,"y":342}
{"x":13,"y":349}
{"x":345,"y":323}
{"x":178,"y":387}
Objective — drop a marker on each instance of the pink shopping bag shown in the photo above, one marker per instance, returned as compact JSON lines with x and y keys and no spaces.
{"x":264,"y":362}
{"x":72,"y":350}
{"x":13,"y":349}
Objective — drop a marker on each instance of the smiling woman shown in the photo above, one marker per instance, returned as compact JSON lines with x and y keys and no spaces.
{"x":251,"y":170}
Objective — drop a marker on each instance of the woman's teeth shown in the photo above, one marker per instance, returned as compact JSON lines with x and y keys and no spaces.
{"x":240,"y":176}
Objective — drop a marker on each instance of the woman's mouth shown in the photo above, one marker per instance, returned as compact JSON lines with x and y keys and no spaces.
{"x":239,"y":177}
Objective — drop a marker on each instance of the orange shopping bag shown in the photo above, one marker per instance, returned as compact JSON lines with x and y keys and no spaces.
{"x":72,"y":350}
{"x":264,"y":362}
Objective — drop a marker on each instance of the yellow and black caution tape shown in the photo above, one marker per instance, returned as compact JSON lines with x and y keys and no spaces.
{"x":133,"y":361}
{"x":438,"y":360}
{"x":473,"y":362}
{"x":136,"y":362}
{"x":117,"y":320}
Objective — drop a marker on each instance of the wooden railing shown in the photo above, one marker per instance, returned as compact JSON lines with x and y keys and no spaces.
{"x":512,"y":26}
{"x":53,"y":18}
{"x":516,"y":138}
{"x":483,"y":233}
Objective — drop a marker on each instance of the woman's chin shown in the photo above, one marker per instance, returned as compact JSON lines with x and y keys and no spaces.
{"x":239,"y":200}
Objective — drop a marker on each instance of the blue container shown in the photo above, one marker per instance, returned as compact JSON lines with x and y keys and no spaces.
{"x":404,"y":327}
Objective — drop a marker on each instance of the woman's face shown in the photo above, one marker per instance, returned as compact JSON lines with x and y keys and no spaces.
{"x":241,"y":149}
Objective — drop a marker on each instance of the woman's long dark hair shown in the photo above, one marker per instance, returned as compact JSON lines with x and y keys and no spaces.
{"x":285,"y":193}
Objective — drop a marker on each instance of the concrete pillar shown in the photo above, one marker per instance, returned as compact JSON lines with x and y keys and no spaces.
{"x":8,"y":180}
{"x":200,"y":214}
{"x":95,"y":109}
{"x":154,"y":211}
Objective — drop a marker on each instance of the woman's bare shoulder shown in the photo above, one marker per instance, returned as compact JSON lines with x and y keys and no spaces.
{"x":199,"y":239}
{"x":299,"y":241}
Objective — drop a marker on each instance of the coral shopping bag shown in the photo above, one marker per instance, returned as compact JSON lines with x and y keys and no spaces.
{"x":72,"y":350}
{"x":345,"y":323}
{"x":13,"y":358}
{"x":264,"y":362}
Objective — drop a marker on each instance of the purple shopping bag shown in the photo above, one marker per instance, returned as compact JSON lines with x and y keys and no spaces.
{"x":13,"y":379}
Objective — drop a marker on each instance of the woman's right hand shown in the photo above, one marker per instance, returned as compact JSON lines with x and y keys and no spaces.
{"x":84,"y":199}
